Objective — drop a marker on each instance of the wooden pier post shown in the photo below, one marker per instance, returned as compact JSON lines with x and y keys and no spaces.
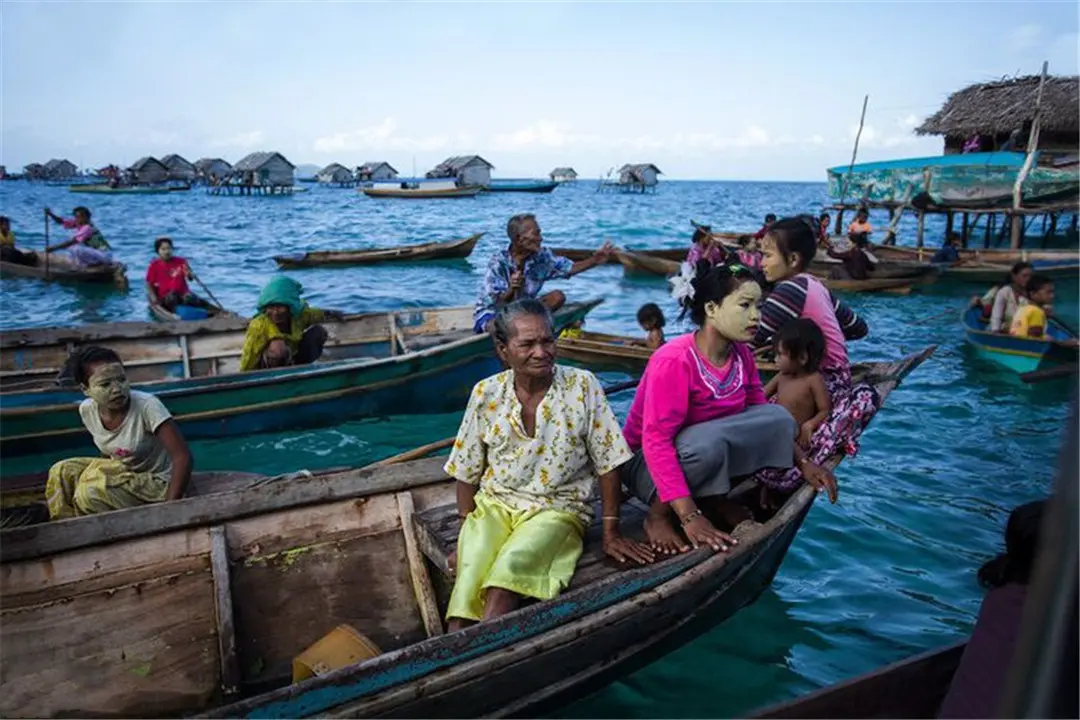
{"x":919,"y":232}
{"x":964,"y":231}
{"x":1032,"y":147}
{"x":948,"y":224}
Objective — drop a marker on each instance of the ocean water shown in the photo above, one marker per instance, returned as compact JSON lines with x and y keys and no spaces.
{"x":887,"y":572}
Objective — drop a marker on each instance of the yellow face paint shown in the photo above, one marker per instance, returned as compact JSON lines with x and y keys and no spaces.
{"x":736,"y":317}
{"x":109,"y":387}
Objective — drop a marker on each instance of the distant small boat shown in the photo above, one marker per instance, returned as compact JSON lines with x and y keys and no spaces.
{"x":900,"y":270}
{"x":528,"y":186}
{"x":419,"y":192}
{"x":1021,"y":354}
{"x":602,"y":352}
{"x":61,"y":269}
{"x":129,"y":190}
{"x":404,"y":253}
{"x":993,"y":273}
{"x":1005,"y":256}
{"x":897,"y":286}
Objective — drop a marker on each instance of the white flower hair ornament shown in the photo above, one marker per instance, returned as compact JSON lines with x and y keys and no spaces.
{"x":682,"y":284}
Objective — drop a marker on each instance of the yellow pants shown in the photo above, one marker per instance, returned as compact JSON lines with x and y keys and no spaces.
{"x":84,"y":486}
{"x":529,"y":552}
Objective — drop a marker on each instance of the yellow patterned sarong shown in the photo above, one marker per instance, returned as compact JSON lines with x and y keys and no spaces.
{"x":529,"y":552}
{"x":85,"y":486}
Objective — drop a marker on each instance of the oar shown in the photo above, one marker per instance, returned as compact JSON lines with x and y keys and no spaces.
{"x":46,"y":244}
{"x":423,"y":450}
{"x":936,"y":316}
{"x":207,"y":291}
{"x":1036,"y":376}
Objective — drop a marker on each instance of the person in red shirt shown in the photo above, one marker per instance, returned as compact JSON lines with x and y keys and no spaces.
{"x":166,"y":279}
{"x":769,"y":220}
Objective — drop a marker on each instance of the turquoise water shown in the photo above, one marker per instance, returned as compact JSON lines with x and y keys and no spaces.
{"x":886,"y":572}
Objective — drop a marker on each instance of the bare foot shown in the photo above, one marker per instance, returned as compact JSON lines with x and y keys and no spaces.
{"x":661,"y":534}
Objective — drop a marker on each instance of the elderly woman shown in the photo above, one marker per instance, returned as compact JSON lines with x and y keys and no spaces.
{"x":286,"y":330}
{"x":700,"y":418}
{"x":533,"y":442}
{"x":520,"y":271}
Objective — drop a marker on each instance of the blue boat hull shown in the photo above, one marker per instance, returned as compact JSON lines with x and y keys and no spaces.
{"x":1021,"y":355}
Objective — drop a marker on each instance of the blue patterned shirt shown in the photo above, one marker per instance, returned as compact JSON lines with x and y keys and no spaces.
{"x":539,"y":268}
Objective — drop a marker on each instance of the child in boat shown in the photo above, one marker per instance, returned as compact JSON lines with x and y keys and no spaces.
{"x":87,"y":246}
{"x":1030,"y":319}
{"x":651,"y":319}
{"x":8,"y":251}
{"x":798,"y":386}
{"x":574,"y":330}
{"x":166,"y":279}
{"x":861,"y":224}
{"x":857,"y":264}
{"x":145,"y":457}
{"x":748,"y":253}
{"x":704,"y":247}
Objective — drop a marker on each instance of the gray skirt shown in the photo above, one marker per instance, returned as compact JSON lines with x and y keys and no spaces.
{"x":713,"y":452}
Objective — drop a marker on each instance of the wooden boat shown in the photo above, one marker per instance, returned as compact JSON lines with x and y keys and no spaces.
{"x":898,"y":286}
{"x":527,"y":186}
{"x":1002,"y":256}
{"x":123,"y":190}
{"x":985,"y":273}
{"x":201,"y":605}
{"x":187,"y":313}
{"x":912,"y":688}
{"x":404,"y":253}
{"x":62,"y":269}
{"x":640,"y":264}
{"x":420,"y":192}
{"x":1022,"y":355}
{"x":419,"y":361}
{"x":602,"y":352}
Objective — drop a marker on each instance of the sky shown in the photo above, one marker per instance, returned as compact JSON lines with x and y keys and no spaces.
{"x":704,"y":90}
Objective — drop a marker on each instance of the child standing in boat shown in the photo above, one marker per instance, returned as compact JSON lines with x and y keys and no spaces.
{"x":798,"y":386}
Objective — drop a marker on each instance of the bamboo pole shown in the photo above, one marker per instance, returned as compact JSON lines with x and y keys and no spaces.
{"x":851,"y":165}
{"x":46,"y":244}
{"x":1032,"y":147}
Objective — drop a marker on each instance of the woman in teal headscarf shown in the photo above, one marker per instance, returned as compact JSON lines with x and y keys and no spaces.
{"x":285,"y":331}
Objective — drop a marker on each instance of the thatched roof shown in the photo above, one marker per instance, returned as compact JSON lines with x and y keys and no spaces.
{"x":144,"y":162}
{"x":204,"y":164}
{"x":174,"y":161}
{"x":256,"y":160}
{"x":1000,"y":107}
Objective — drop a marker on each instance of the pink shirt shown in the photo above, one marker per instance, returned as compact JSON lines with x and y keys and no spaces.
{"x":680,"y":387}
{"x":714,"y":255}
{"x":750,"y":259}
{"x":819,"y":308}
{"x":82,"y":232}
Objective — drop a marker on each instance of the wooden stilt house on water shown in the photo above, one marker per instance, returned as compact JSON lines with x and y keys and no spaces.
{"x":34,"y":171}
{"x":211,"y":171}
{"x":466,"y":170}
{"x":378,"y":171}
{"x":60,"y":170}
{"x":180,"y":170}
{"x":637,"y":177}
{"x":148,"y":171}
{"x":260,"y":173}
{"x":337,"y":175}
{"x":563,"y":174}
{"x":1010,"y":161}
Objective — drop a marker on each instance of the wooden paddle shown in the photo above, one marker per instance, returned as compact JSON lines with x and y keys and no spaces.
{"x":46,"y":244}
{"x":207,"y":291}
{"x":423,"y":450}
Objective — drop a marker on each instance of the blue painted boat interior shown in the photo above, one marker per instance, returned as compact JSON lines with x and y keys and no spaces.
{"x":991,"y":159}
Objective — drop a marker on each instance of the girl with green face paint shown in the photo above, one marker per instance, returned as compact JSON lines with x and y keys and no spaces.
{"x":146,"y":459}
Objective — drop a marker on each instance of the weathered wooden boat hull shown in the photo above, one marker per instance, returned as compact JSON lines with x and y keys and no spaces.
{"x":912,"y":688}
{"x":432,"y":380}
{"x":618,"y":353}
{"x":422,"y":194}
{"x":1021,"y":355}
{"x":640,"y":264}
{"x":898,"y":286}
{"x":405,"y":253}
{"x":106,"y":190}
{"x":195,"y":600}
{"x":993,"y":255}
{"x":522,"y":186}
{"x":995,"y":274}
{"x":62,"y":270}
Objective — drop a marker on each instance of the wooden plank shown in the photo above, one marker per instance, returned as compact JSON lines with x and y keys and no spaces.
{"x":421,"y":581}
{"x":185,"y":356}
{"x":21,"y":543}
{"x":223,"y":607}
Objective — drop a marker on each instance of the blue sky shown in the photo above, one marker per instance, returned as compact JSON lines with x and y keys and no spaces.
{"x":704,"y":90}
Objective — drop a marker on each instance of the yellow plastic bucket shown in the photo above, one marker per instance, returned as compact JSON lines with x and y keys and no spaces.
{"x":341,"y":647}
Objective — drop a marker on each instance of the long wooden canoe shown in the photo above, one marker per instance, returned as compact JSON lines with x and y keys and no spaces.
{"x":160,"y":312}
{"x":201,"y":605}
{"x":421,"y":193}
{"x":413,"y":361}
{"x":912,"y":688}
{"x":985,"y":273}
{"x":640,"y":264}
{"x":603,"y":352}
{"x":993,"y":255}
{"x":898,"y":286}
{"x":404,"y":253}
{"x":107,"y":190}
{"x":526,"y":186}
{"x":62,"y":269}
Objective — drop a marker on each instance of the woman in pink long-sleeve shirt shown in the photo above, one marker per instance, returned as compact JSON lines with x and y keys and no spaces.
{"x":700,"y":418}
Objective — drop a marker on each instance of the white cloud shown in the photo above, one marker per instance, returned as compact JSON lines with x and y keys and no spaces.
{"x":908,"y":122}
{"x":382,"y":137}
{"x":1025,"y":37}
{"x":243,"y":140}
